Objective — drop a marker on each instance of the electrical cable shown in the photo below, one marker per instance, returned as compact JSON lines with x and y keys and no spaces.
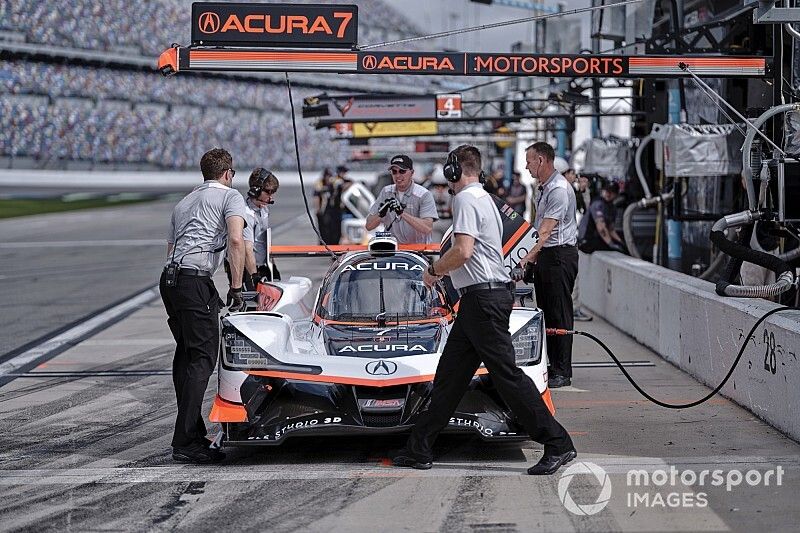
{"x":300,"y":170}
{"x":553,"y":331}
{"x":493,"y":25}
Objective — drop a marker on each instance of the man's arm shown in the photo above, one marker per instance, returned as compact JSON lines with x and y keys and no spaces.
{"x":170,"y":247}
{"x":422,"y":225}
{"x":545,"y":229}
{"x":249,"y":258}
{"x":236,"y":249}
{"x":372,"y":222}
{"x":453,"y":258}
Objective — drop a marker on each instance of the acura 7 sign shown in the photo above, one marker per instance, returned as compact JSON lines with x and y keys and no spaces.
{"x":303,"y":25}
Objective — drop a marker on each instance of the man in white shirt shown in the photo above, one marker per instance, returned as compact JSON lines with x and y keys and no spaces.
{"x":406,"y":209}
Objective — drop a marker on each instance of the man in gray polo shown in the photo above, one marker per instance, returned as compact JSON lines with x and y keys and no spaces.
{"x":480,"y":332}
{"x":406,"y":209}
{"x":202,"y":224}
{"x":554,"y":258}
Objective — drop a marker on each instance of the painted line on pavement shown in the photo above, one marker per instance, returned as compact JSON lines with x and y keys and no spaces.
{"x":311,"y":471}
{"x":20,"y":364}
{"x":48,"y":349}
{"x":84,"y":244}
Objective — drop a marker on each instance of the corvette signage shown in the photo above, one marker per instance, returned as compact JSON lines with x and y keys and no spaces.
{"x":303,"y":25}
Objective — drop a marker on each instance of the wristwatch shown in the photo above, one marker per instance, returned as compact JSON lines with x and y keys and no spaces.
{"x":432,"y":272}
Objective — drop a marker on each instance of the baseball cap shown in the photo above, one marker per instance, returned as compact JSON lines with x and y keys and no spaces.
{"x":402,"y":161}
{"x":341,"y":169}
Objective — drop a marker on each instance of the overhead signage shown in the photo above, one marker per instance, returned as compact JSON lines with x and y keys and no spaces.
{"x":367,"y":130}
{"x":296,"y":25}
{"x":362,"y":108}
{"x":464,"y":63}
{"x":448,"y":106}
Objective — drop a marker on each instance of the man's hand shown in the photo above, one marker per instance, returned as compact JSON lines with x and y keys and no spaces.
{"x":235,"y":301}
{"x":429,"y":280}
{"x":255,"y":279}
{"x":517,"y":273}
{"x":385,"y":207}
{"x":398,"y":208}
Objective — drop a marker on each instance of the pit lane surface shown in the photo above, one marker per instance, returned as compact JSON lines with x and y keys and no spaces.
{"x":86,"y":447}
{"x":58,"y":268}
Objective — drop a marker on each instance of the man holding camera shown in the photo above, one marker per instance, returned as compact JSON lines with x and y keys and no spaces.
{"x":407,"y":210}
{"x":203,"y":224}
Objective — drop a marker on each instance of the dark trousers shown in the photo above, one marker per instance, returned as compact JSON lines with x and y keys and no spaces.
{"x":554,"y":278}
{"x":480,"y":333}
{"x":192,"y":310}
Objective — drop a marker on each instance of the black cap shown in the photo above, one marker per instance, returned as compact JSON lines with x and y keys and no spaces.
{"x":402,"y":161}
{"x":611,"y":186}
{"x":341,"y":169}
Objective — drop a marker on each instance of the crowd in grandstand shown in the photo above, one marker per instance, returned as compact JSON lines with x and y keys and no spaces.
{"x":56,"y":113}
{"x":65,"y":112}
{"x":151,"y":26}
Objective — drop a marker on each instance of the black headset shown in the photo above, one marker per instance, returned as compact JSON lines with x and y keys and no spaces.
{"x":452,"y":169}
{"x":258,"y":187}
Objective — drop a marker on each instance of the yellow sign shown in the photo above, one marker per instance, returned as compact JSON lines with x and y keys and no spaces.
{"x":365,"y":130}
{"x":504,"y":130}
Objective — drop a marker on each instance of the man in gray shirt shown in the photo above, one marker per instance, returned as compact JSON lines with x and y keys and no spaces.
{"x":554,"y":258}
{"x":202,"y":224}
{"x":480,"y":332}
{"x":406,"y":209}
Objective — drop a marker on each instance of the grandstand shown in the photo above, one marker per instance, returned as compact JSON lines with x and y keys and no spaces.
{"x":78,"y":89}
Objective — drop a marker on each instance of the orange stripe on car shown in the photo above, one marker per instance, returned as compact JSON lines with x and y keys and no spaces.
{"x":515,"y":238}
{"x":548,"y":401}
{"x":225,"y":411}
{"x":347,"y":380}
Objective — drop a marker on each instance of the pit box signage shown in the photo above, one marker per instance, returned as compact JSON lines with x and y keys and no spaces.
{"x":274,"y":25}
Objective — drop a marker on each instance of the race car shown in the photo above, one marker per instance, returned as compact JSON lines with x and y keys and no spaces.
{"x":358,"y":359}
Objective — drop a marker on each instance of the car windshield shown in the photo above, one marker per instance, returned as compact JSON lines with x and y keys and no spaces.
{"x":391,"y":285}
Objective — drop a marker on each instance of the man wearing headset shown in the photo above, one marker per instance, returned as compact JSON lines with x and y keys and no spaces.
{"x":480,"y":332}
{"x":406,"y":209}
{"x":263,"y":186}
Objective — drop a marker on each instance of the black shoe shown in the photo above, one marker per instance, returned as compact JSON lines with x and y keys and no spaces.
{"x":548,"y":464}
{"x":579,"y":316}
{"x":405,"y":459}
{"x":197,"y":454}
{"x":557,"y":381}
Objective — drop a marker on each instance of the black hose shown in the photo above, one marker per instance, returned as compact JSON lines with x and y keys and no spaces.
{"x":740,"y":252}
{"x":300,"y":170}
{"x":735,"y":264}
{"x":707,"y":396}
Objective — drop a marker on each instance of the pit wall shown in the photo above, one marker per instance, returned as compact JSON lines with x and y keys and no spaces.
{"x":683,"y":320}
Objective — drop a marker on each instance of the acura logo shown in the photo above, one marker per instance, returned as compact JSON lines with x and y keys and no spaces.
{"x":370,"y":62}
{"x":208,"y":22}
{"x":381,"y":368}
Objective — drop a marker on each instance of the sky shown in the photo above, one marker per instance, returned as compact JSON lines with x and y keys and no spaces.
{"x":442,"y":15}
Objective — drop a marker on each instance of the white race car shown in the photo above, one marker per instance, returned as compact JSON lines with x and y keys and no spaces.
{"x":358,"y":359}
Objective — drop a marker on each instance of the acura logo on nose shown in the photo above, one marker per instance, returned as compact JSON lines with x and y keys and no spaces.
{"x":381,"y":368}
{"x":370,"y":62}
{"x":208,"y":22}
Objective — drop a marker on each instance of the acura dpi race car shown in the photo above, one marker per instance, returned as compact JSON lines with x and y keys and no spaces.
{"x":358,"y":359}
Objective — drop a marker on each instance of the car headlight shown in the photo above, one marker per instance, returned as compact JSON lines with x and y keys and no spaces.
{"x":527,"y":343}
{"x":243,"y":354}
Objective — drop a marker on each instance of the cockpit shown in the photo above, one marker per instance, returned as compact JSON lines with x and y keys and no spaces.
{"x":371,"y":288}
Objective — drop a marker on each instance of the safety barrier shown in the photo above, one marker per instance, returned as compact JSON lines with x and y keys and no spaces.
{"x":683,"y":320}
